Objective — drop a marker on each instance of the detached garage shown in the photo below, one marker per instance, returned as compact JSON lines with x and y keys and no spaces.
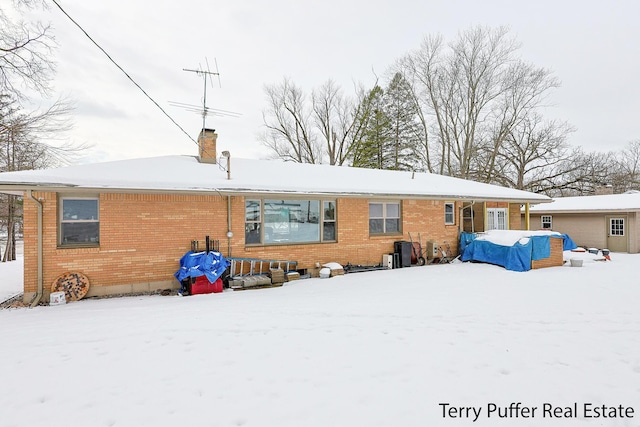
{"x":605,"y":221}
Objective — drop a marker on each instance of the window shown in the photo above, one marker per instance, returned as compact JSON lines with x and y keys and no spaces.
{"x":449,"y":216}
{"x":272,"y":221}
{"x":329,"y":221}
{"x":496,"y":219}
{"x":252,"y":221}
{"x":384,"y":218}
{"x":546,"y":222}
{"x":79,"y":221}
{"x":616,"y":226}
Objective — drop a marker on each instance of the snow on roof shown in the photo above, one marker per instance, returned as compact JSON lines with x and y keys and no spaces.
{"x":187,"y":174}
{"x":605,"y":202}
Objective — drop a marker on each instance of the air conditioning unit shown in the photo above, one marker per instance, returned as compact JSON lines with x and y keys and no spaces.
{"x":432,"y":250}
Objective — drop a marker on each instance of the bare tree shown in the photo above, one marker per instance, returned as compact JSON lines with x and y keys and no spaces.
{"x":535,"y":156}
{"x":289,"y":124}
{"x":322,"y":128}
{"x":25,"y":53}
{"x":624,"y":171}
{"x":338,"y":120}
{"x":524,"y":89}
{"x":472,"y":92}
{"x":26,"y":142}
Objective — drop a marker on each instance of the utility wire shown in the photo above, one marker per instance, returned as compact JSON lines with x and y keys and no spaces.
{"x":125,"y":73}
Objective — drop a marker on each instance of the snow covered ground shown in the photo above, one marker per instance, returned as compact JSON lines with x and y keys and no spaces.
{"x":385,"y":348}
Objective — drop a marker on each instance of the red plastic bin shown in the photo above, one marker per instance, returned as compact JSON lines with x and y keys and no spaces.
{"x":202,"y":285}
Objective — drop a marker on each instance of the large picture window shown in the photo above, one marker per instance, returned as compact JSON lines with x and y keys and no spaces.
{"x":384,"y":218}
{"x":271,"y":221}
{"x":79,"y":221}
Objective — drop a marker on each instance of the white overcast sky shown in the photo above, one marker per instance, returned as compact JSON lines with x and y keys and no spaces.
{"x":592,"y":47}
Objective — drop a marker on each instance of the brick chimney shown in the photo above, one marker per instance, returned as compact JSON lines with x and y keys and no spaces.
{"x":207,"y":146}
{"x":607,"y":189}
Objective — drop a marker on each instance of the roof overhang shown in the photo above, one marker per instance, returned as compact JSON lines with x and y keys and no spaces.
{"x":19,"y":189}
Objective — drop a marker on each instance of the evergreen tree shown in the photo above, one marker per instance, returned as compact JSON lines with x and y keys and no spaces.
{"x":403,"y":126}
{"x":372,"y":151}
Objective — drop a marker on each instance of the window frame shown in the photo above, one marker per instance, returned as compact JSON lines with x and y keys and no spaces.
{"x":453,"y":213}
{"x":548,"y":221}
{"x":61,"y":243}
{"x":258,"y":226}
{"x":386,"y":217}
{"x":261,"y":221}
{"x":326,"y":220}
{"x":619,"y":229}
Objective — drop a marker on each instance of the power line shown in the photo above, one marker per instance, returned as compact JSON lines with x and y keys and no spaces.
{"x":125,"y":73}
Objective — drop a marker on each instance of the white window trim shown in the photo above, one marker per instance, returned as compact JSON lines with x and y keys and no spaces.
{"x":324,"y":220}
{"x":624,"y":226}
{"x":259,"y":221}
{"x":61,"y":221}
{"x":550,"y":221}
{"x":453,"y":213}
{"x":384,"y":217}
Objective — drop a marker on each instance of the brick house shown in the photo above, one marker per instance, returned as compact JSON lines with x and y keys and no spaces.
{"x":125,"y":224}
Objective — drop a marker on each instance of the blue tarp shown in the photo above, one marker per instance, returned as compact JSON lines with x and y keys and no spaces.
{"x":517,"y":257}
{"x":568,"y":244}
{"x":195,"y":264}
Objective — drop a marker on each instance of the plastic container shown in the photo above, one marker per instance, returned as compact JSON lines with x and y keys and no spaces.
{"x":575,"y":262}
{"x":57,"y":298}
{"x":202,"y":285}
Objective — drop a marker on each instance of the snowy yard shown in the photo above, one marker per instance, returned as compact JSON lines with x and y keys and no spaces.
{"x":384,"y":348}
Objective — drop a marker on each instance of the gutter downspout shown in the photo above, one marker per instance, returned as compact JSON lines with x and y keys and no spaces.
{"x":229,"y":232}
{"x":38,"y":296}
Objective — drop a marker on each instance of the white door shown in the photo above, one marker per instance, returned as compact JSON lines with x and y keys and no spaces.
{"x":617,"y":234}
{"x":496,"y":219}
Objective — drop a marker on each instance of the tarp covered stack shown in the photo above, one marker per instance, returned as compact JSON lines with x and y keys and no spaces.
{"x":513,"y":250}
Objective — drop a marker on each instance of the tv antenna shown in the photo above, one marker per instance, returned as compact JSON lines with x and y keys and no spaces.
{"x":204,"y":110}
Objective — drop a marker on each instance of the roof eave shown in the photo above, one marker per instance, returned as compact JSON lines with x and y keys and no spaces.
{"x":18,"y":189}
{"x":585,"y":211}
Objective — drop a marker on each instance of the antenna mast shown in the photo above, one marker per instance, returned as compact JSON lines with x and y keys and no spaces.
{"x":204,"y":75}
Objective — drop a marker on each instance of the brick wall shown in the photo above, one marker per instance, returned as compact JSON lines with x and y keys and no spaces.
{"x":354,"y":245}
{"x":555,"y":259}
{"x":515,"y":217}
{"x":142,"y":238}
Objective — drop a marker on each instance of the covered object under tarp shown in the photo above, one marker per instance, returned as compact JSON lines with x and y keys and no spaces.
{"x":196,"y":264}
{"x":513,"y":250}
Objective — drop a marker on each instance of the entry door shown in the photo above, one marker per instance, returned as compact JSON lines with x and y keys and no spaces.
{"x":617,"y":234}
{"x":496,"y":218}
